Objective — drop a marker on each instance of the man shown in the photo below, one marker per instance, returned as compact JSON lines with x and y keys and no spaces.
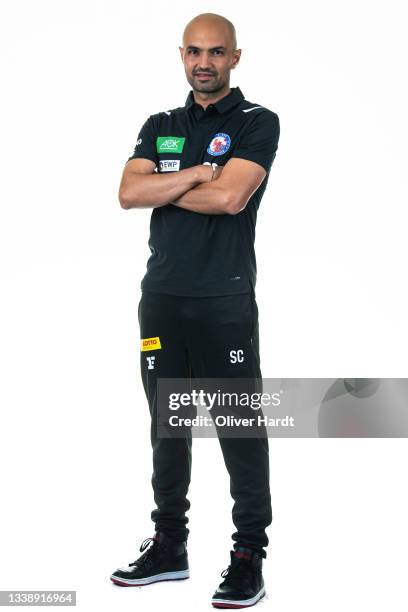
{"x":203,"y":168}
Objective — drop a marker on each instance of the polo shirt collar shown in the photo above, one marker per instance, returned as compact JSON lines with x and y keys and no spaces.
{"x":224,"y":104}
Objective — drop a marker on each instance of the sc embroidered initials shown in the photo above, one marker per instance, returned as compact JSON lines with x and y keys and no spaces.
{"x":237,"y":356}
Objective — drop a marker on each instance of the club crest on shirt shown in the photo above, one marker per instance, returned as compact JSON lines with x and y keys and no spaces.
{"x":219,"y":144}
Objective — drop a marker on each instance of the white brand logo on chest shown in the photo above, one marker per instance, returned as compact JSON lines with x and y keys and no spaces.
{"x":169,"y":165}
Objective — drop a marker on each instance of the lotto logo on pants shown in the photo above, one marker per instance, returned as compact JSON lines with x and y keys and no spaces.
{"x":150,"y":344}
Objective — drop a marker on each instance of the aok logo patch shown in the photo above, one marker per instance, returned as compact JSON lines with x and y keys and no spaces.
{"x":170,"y":144}
{"x":150,"y":344}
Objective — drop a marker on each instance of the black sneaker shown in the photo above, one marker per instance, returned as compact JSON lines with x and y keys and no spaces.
{"x":165,"y":559}
{"x":243,"y":585}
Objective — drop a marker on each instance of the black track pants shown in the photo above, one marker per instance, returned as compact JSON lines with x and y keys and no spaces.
{"x":197,"y":335}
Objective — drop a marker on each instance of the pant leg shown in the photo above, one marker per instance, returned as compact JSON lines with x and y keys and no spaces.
{"x":218,"y":326}
{"x":160,"y":317}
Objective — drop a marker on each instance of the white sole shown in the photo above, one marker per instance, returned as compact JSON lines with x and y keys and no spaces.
{"x":156,"y":578}
{"x":240,"y":602}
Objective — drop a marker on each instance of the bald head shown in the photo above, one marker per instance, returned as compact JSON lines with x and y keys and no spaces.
{"x":211,"y":23}
{"x":209,"y":53}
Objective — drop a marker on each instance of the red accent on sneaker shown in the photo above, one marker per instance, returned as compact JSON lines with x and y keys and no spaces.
{"x":241,"y":555}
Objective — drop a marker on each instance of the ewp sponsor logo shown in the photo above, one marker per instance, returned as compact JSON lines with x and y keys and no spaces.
{"x":169,"y":165}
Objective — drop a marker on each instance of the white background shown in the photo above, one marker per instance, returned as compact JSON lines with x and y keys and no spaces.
{"x":78,"y":80}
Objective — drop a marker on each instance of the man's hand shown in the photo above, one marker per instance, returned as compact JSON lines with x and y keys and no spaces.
{"x":217,"y":172}
{"x":141,"y":187}
{"x":209,"y":173}
{"x":235,"y":183}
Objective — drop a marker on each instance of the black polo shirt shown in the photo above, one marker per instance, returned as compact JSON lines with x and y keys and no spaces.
{"x":195,"y":254}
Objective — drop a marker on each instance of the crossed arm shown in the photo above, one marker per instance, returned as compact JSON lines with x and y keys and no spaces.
{"x":192,"y":188}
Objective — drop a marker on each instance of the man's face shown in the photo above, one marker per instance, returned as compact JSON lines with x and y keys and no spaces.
{"x":208,"y":57}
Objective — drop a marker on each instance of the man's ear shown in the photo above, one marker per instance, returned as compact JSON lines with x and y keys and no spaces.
{"x":236,"y":57}
{"x":181,"y":49}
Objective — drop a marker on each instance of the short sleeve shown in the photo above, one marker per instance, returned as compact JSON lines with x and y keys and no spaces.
{"x":146,"y":142}
{"x":259,"y":142}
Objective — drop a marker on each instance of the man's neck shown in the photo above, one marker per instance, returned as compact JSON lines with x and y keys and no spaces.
{"x":205,"y":99}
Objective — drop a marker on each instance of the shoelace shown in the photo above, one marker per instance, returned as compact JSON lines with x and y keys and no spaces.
{"x":149,"y":552}
{"x":237,"y":573}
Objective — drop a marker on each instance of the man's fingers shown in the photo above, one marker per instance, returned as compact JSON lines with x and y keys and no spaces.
{"x":217,"y":172}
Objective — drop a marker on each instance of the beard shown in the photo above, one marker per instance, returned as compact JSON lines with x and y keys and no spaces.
{"x":213,"y":85}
